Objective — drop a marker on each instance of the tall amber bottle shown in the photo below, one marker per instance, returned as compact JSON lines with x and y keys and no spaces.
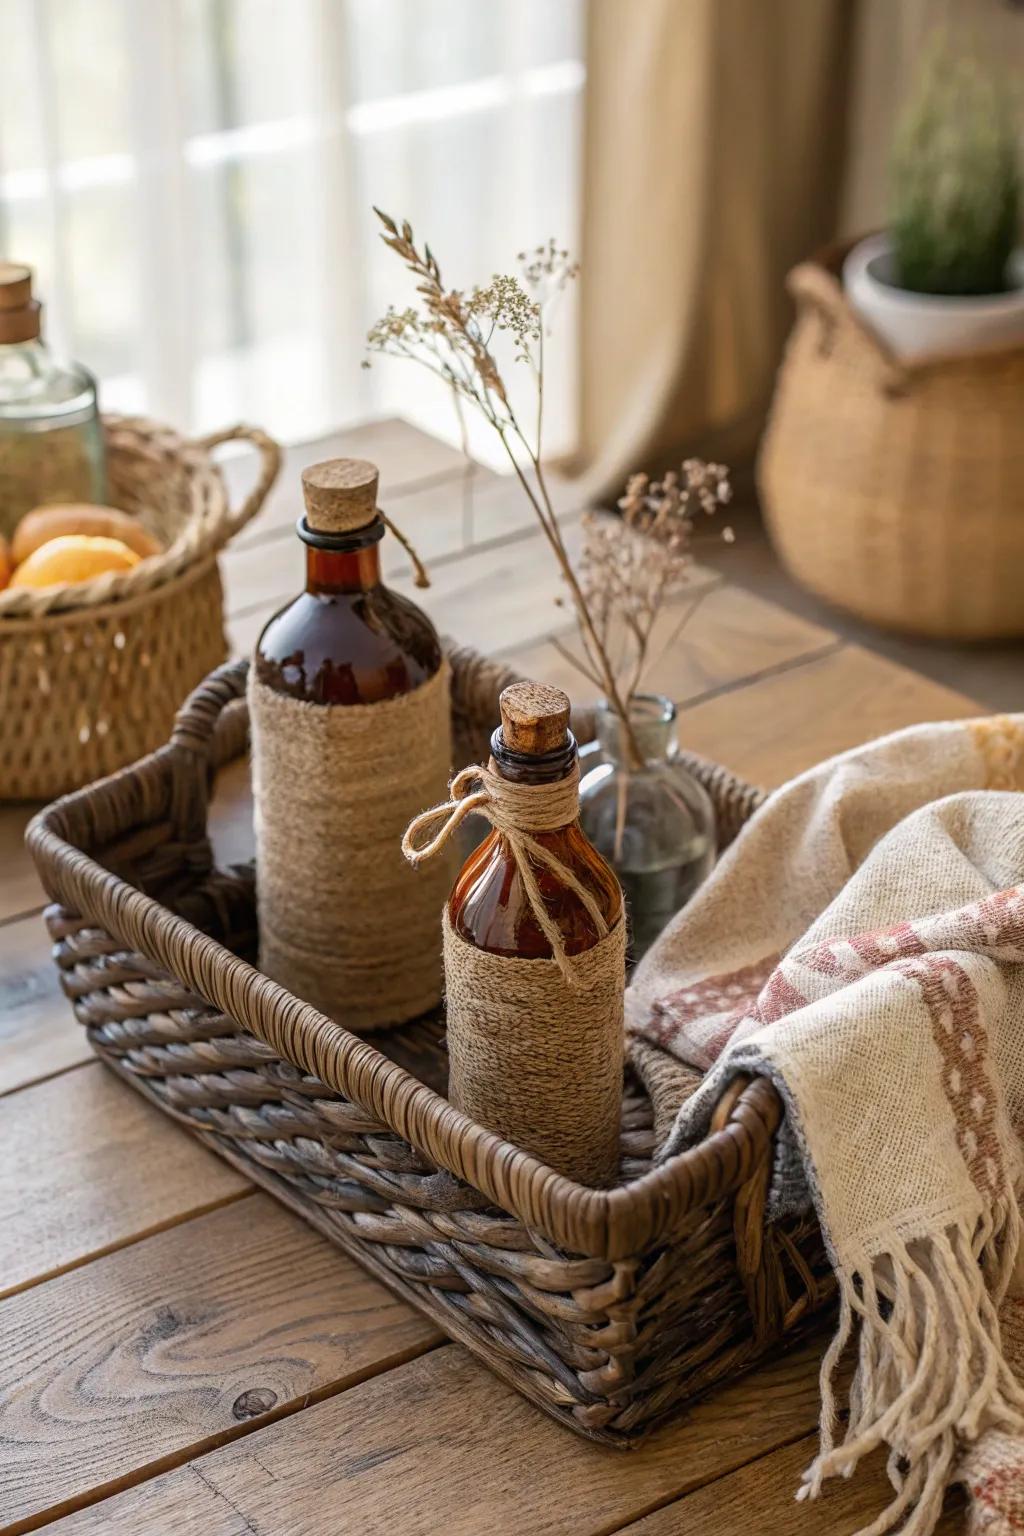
{"x":535,"y":955}
{"x":349,"y":707}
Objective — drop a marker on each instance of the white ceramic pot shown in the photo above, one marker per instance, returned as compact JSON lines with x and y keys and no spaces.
{"x":915,"y":325}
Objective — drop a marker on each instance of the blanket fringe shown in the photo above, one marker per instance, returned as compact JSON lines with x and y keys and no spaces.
{"x":930,"y":1373}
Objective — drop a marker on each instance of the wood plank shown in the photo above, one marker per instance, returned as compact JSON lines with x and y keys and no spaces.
{"x":406,"y":456}
{"x":441,"y":1445}
{"x":177,"y":1504}
{"x":730,"y":636}
{"x":38,"y":1032}
{"x":768,"y":1486}
{"x":493,"y":598}
{"x":773,"y":729}
{"x":178,"y":1344}
{"x":90,"y":1166}
{"x":443,"y":521}
{"x":20,"y":890}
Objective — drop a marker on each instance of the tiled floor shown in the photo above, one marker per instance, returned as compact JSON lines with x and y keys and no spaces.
{"x":991,"y":673}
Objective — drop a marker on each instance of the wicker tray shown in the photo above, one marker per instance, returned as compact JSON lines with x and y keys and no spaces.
{"x":609,"y":1309}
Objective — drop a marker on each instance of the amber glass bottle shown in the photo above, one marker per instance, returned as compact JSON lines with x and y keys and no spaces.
{"x":350,"y":727}
{"x":488,"y":906}
{"x":346,"y":639}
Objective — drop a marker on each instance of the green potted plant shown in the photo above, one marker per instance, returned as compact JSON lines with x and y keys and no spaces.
{"x":948,"y":274}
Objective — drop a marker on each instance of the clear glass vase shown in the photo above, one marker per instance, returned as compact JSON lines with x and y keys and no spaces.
{"x":655,"y":824}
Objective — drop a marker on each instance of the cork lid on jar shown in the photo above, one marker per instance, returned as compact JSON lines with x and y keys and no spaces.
{"x":19,"y":311}
{"x":340,"y":495}
{"x":534,"y":718}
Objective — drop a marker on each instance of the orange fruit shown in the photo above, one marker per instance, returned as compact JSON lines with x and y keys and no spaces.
{"x":73,"y":557}
{"x":45,"y":523}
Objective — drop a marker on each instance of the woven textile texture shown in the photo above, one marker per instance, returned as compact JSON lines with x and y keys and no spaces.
{"x":862,"y":945}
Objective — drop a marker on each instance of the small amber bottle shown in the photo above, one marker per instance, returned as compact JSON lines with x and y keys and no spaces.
{"x":488,"y":906}
{"x":349,"y":707}
{"x":535,"y":1037}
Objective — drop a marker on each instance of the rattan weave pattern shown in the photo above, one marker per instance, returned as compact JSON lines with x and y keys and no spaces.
{"x":91,"y":673}
{"x":896,"y":491}
{"x":609,"y":1309}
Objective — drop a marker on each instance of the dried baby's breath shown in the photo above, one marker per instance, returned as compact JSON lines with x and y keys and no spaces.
{"x":631,"y":565}
{"x":453,"y":333}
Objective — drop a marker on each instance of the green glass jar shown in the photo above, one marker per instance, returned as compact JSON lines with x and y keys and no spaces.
{"x":51,"y":439}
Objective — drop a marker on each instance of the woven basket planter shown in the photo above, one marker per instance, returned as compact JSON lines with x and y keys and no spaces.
{"x":609,"y":1309}
{"x":896,"y":491}
{"x":92,"y":672}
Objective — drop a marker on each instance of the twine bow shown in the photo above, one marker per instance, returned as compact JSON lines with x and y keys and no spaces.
{"x":517,"y":811}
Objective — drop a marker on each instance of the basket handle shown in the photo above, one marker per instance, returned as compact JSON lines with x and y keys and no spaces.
{"x":270,"y":464}
{"x":814,"y":288}
{"x":195,"y":724}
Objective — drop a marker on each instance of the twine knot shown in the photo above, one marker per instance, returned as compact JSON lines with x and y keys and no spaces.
{"x":517,"y":812}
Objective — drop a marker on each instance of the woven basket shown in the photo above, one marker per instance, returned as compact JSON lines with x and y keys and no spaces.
{"x":896,"y":491}
{"x":609,"y":1309}
{"x":91,"y":672}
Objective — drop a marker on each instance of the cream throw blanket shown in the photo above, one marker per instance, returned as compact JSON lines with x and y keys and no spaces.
{"x":862,"y":944}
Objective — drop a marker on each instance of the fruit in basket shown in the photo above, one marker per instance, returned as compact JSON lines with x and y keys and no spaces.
{"x":42,"y":524}
{"x":6,"y":563}
{"x":73,"y":557}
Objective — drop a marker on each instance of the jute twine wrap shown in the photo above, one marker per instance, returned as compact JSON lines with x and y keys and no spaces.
{"x":535,"y":1046}
{"x":344,"y":922}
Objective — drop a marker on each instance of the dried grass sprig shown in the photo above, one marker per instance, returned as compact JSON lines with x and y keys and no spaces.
{"x":451,"y":333}
{"x":629,"y":565}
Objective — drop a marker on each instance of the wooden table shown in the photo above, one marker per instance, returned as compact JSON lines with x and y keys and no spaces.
{"x":179,"y":1353}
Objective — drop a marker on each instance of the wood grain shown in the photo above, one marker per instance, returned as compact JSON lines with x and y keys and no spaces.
{"x":728,"y":636}
{"x":38,"y":1032}
{"x":440,"y":1445}
{"x":733,"y":1505}
{"x":406,"y":456}
{"x":89,"y":1166}
{"x":20,"y":890}
{"x":778,"y":726}
{"x":178,"y":1504}
{"x":494,"y":527}
{"x":178,"y":1343}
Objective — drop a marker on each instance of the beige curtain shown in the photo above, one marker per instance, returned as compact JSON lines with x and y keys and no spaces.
{"x":725,"y":141}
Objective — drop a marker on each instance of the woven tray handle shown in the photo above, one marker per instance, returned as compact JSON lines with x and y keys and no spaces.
{"x":213,"y":722}
{"x":270,"y":463}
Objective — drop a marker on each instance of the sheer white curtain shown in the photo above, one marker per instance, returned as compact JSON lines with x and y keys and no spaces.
{"x":192,"y":181}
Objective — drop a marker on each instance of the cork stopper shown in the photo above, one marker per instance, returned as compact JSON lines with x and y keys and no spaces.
{"x":19,"y":311}
{"x":340,"y":495}
{"x":534,"y":718}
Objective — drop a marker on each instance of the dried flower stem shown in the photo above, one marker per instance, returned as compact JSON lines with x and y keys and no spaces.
{"x":451,"y":336}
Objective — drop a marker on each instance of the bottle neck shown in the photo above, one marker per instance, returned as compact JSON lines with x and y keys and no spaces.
{"x":329,"y":570}
{"x":653,"y":719}
{"x":342,"y":562}
{"x":540,"y":768}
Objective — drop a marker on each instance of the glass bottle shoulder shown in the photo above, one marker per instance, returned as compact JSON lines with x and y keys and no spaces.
{"x":489,"y":906}
{"x":348,"y":647}
{"x":35,"y":384}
